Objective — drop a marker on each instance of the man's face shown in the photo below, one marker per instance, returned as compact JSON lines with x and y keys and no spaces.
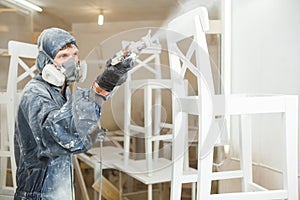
{"x":65,"y":54}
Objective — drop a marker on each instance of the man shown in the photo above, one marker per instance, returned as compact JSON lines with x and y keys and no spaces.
{"x":53,"y":122}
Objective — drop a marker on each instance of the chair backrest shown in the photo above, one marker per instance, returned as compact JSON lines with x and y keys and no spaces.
{"x":21,"y":67}
{"x":150,"y":131}
{"x":20,"y":51}
{"x":190,"y":29}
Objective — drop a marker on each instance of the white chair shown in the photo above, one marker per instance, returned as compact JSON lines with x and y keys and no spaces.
{"x":153,"y":169}
{"x":22,"y":56}
{"x":208,"y":106}
{"x":142,"y":169}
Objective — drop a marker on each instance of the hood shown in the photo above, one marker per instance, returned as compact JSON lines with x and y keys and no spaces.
{"x":50,"y":42}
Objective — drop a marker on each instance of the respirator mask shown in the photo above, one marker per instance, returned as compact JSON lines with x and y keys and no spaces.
{"x":69,"y":72}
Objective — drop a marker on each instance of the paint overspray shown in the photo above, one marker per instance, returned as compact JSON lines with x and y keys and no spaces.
{"x":131,"y":50}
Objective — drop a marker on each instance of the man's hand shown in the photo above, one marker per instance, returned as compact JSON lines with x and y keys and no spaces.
{"x":114,"y":75}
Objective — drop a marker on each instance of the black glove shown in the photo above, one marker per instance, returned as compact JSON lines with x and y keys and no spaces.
{"x":114,"y":75}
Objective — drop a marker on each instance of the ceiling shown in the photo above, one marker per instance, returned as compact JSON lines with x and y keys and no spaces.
{"x":79,"y":11}
{"x":86,"y":11}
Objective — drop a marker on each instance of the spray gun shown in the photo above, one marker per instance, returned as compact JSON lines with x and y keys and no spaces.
{"x":133,"y":49}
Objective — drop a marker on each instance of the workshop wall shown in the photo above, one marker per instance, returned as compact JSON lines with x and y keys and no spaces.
{"x":12,"y":27}
{"x":265,"y":60}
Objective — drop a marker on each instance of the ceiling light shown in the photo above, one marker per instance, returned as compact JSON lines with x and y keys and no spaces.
{"x":29,"y":5}
{"x":14,"y":6}
{"x":101,"y":18}
{"x":25,"y":5}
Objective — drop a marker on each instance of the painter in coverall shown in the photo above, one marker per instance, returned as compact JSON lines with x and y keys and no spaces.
{"x":53,"y":122}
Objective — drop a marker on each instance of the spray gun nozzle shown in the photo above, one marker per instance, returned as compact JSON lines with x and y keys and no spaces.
{"x":133,"y":49}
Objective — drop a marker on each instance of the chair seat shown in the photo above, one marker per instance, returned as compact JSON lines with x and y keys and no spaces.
{"x":110,"y":154}
{"x":161,"y":170}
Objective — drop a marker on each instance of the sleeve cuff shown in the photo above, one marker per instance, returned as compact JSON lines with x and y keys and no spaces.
{"x":97,"y":98}
{"x":100,"y":90}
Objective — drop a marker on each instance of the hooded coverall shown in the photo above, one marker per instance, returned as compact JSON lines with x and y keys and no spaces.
{"x":50,"y":127}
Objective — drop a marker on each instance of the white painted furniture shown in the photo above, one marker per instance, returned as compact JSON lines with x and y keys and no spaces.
{"x":207,"y":105}
{"x":151,"y":126}
{"x":153,"y":169}
{"x":20,"y":68}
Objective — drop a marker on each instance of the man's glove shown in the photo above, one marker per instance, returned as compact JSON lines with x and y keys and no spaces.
{"x":114,"y":75}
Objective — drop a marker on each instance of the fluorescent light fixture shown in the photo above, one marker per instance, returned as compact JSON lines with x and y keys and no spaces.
{"x":25,"y":5}
{"x":14,"y":6}
{"x":100,"y":19}
{"x":29,"y":5}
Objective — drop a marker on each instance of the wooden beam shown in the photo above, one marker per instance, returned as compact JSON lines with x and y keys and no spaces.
{"x":6,"y":197}
{"x":2,"y":10}
{"x":215,"y":27}
{"x":4,"y":52}
{"x":109,"y":191}
{"x":78,"y":172}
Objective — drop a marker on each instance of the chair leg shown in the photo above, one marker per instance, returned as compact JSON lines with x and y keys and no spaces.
{"x":120,"y":185}
{"x":178,"y":150}
{"x":204,"y":176}
{"x":193,"y":191}
{"x":290,"y":175}
{"x":150,"y":192}
{"x":176,"y":184}
{"x":246,"y":151}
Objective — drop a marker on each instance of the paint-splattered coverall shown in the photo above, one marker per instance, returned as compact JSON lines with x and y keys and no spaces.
{"x":49,"y":129}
